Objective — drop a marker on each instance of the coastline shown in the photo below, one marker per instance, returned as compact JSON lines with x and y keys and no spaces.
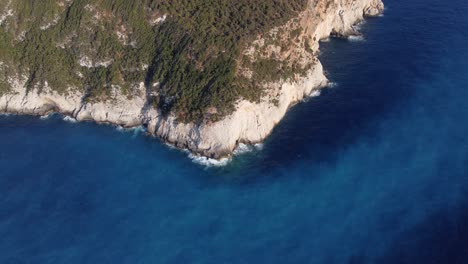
{"x":250,"y":124}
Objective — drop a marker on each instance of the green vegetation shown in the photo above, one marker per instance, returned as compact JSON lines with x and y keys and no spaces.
{"x":193,"y":54}
{"x":6,"y":61}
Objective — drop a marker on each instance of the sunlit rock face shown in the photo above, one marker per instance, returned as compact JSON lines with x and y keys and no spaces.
{"x":250,"y":122}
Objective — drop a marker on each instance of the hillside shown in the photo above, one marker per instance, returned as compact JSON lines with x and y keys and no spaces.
{"x":187,"y":52}
{"x":204,"y":75}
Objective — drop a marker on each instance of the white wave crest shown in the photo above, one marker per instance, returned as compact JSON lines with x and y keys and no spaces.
{"x":207,"y":162}
{"x":332,"y":85}
{"x":69,"y":119}
{"x":356,"y":38}
{"x":242,"y":149}
{"x":259,"y":146}
{"x":136,"y":130}
{"x":315,"y":93}
{"x":171,"y":146}
{"x":246,"y":148}
{"x":204,"y":161}
{"x":359,"y":25}
{"x":44,"y":117}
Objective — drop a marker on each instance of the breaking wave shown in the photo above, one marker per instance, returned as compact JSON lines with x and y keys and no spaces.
{"x":356,"y":38}
{"x":359,"y":25}
{"x":315,"y":93}
{"x":207,"y":162}
{"x":69,"y":119}
{"x":135,"y":130}
{"x":246,"y":148}
{"x":204,"y":161}
{"x":44,"y":117}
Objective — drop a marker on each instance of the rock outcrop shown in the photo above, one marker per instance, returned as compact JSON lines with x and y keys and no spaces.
{"x":250,"y":123}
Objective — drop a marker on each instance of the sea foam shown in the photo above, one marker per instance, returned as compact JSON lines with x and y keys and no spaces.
{"x":204,"y":161}
{"x":135,"y":130}
{"x":69,"y":119}
{"x":44,"y":117}
{"x":359,"y":25}
{"x":207,"y":162}
{"x":316,"y":93}
{"x":242,"y":149}
{"x":356,"y":38}
{"x":246,"y":148}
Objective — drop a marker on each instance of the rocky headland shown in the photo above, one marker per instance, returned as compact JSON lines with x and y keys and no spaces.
{"x":250,"y":122}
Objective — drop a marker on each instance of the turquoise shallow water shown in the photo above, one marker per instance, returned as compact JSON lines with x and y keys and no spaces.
{"x":373,"y":171}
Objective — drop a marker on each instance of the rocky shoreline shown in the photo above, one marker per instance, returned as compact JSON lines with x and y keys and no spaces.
{"x":251,"y":123}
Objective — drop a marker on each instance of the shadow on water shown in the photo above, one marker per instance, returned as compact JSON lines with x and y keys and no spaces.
{"x":369,"y":87}
{"x":375,"y":169}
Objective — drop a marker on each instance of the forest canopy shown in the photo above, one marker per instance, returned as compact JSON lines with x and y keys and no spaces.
{"x":186,"y":51}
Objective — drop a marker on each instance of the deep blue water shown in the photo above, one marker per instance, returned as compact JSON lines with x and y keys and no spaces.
{"x":373,"y":171}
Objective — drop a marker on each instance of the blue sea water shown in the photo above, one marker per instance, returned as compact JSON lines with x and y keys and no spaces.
{"x":375,"y":170}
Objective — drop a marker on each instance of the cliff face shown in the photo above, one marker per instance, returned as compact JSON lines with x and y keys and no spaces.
{"x":249,"y":123}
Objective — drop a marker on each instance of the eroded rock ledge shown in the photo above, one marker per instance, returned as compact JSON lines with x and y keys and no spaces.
{"x":250,"y":123}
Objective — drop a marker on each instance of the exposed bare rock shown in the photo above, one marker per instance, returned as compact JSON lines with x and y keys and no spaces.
{"x":249,"y":123}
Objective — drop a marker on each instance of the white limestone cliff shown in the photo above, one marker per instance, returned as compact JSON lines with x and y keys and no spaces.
{"x":249,"y":123}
